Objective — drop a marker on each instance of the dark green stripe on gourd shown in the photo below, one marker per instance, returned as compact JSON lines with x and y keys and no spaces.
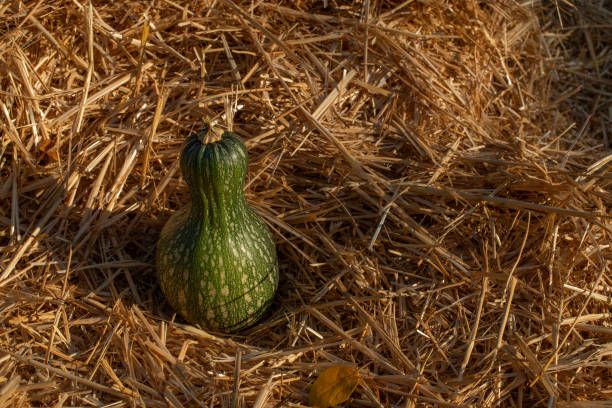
{"x":216,"y":260}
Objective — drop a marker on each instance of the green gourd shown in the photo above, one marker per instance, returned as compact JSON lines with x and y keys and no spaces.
{"x":216,"y":261}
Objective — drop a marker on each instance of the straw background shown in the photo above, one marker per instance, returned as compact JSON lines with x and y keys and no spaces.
{"x":434,"y":173}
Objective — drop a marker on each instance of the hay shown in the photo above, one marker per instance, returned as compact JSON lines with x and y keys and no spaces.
{"x":435,"y":175}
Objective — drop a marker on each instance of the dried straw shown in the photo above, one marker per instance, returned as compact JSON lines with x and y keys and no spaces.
{"x":435,"y":175}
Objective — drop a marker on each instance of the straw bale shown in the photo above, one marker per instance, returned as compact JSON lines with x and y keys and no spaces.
{"x":435,"y":175}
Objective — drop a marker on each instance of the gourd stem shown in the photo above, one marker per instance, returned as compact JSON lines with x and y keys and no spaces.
{"x":210,"y":133}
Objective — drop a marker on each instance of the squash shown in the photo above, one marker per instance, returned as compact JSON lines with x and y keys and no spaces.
{"x":215,"y":258}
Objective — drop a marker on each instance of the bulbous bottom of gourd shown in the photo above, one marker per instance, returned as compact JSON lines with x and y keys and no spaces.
{"x":221,"y":293}
{"x":219,"y":317}
{"x":229,"y":315}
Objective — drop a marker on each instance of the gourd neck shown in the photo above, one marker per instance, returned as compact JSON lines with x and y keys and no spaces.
{"x":213,"y":207}
{"x":214,"y":166}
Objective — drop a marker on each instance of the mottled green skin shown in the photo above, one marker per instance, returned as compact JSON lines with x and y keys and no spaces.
{"x":216,"y":260}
